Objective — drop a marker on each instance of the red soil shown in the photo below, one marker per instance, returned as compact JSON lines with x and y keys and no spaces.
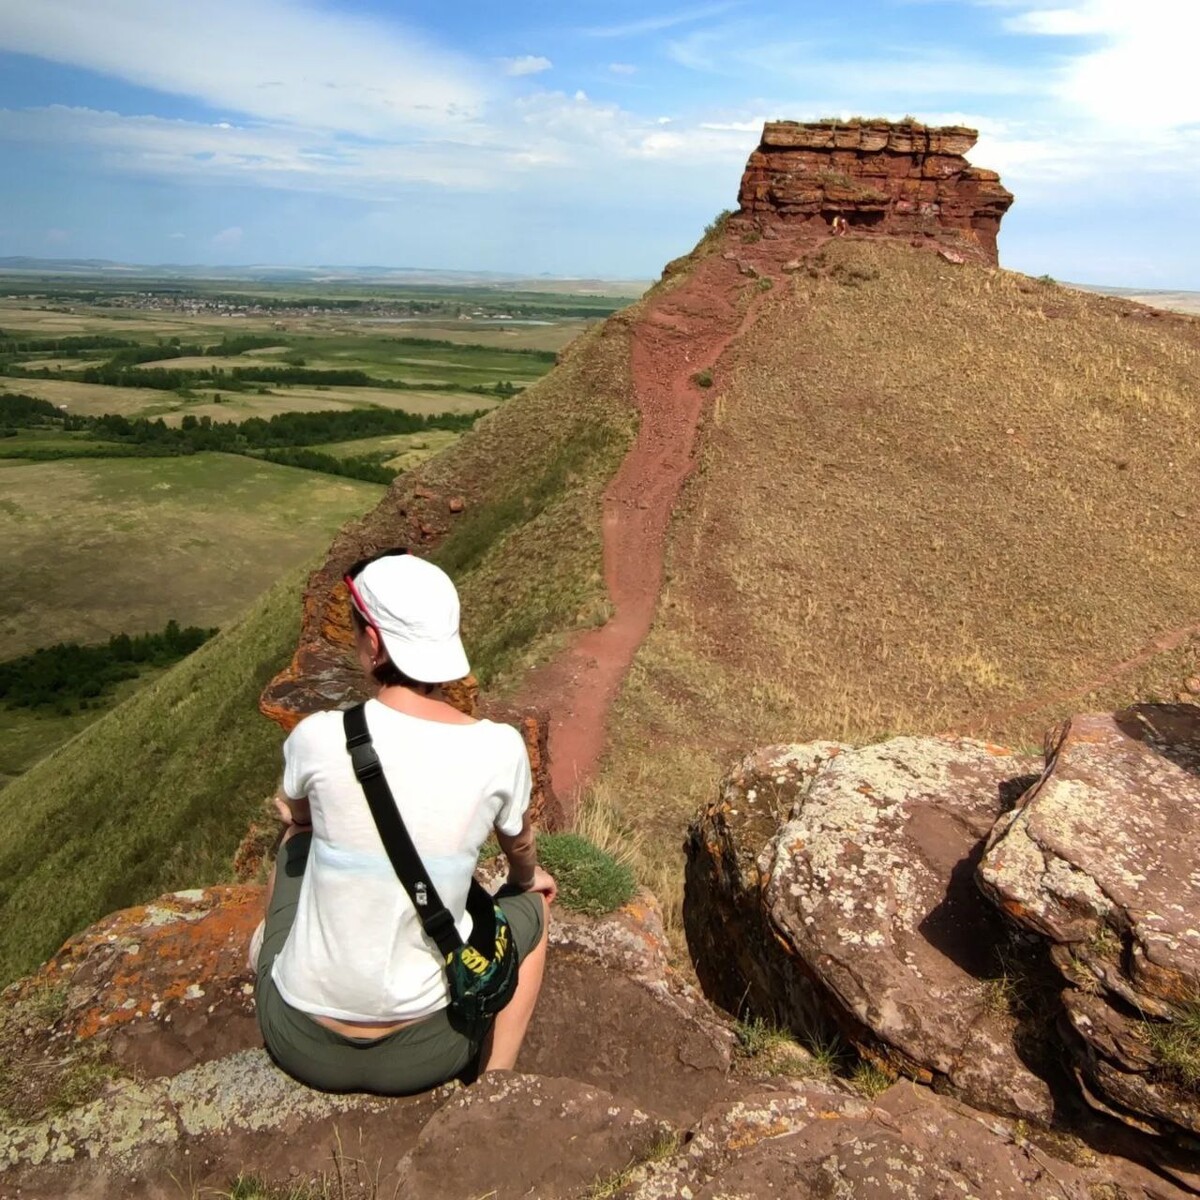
{"x":681,"y":333}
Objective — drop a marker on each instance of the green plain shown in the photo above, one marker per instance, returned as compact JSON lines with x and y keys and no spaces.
{"x":94,"y":547}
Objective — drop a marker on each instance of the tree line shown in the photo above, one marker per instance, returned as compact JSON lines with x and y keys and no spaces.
{"x":286,"y":438}
{"x":123,"y":371}
{"x":69,"y":676}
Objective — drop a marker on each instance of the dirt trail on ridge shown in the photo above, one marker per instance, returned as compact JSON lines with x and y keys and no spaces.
{"x":681,"y":332}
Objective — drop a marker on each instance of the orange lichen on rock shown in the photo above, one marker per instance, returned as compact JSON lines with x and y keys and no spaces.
{"x":155,"y":962}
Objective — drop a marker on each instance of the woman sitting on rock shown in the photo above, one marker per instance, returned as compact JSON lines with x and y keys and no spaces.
{"x":352,"y":994}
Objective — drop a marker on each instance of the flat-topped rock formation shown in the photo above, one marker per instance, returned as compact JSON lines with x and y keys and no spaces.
{"x":901,"y":180}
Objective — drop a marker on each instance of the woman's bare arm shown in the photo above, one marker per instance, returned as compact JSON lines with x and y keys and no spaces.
{"x":521,"y":852}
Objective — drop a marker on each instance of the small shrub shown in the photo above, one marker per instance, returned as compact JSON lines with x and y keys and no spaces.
{"x":589,"y":880}
{"x":718,"y":223}
{"x":703,"y":378}
{"x":766,"y":283}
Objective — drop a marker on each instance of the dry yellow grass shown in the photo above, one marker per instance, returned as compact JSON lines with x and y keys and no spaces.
{"x":929,"y":498}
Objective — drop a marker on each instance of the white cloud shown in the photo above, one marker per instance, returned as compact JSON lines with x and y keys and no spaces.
{"x":228,"y":238}
{"x":527,"y":64}
{"x":271,"y":156}
{"x":752,"y":126}
{"x":275,"y":60}
{"x":1143,"y":72}
{"x":658,"y":23}
{"x":622,"y":68}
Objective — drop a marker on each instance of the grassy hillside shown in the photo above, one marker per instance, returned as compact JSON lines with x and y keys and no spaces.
{"x":526,"y":553}
{"x":157,"y":794}
{"x":930,"y":498}
{"x":154,"y":796}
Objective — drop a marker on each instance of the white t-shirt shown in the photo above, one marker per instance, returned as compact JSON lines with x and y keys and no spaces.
{"x":357,"y":951}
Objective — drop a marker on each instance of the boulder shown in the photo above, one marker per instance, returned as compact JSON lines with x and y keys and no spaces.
{"x":1100,"y":860}
{"x":512,"y":1136}
{"x":832,"y":890}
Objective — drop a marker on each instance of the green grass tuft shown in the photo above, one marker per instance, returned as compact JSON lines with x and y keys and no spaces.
{"x":589,"y":880}
{"x":870,"y":1080}
{"x":1176,"y":1046}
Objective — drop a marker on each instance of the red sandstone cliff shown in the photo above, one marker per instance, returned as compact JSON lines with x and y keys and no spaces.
{"x":907,"y":180}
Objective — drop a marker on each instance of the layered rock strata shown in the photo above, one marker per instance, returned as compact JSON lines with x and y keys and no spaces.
{"x":1102,"y":861}
{"x":832,"y":889}
{"x":873,"y":177}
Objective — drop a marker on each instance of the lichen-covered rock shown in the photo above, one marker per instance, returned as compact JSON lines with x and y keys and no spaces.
{"x":726,"y":873}
{"x":857,"y":909}
{"x":513,"y":1136}
{"x":1102,"y":859}
{"x":734,"y":1127}
{"x":902,"y":180}
{"x":156,"y":988}
{"x":134,"y":1057}
{"x":908,"y":1145}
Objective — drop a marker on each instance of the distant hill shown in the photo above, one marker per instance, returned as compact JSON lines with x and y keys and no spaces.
{"x":399,"y":276}
{"x":1176,"y":301}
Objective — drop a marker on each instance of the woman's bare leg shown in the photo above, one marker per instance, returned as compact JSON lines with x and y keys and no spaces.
{"x":503,"y":1042}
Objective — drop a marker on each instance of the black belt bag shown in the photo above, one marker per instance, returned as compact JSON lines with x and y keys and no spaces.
{"x":482,"y":973}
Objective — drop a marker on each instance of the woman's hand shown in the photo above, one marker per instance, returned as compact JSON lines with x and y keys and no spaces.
{"x":544,"y":882}
{"x":292,"y":812}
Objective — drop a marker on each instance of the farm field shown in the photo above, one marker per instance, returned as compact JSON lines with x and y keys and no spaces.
{"x":99,"y":539}
{"x":97,"y":547}
{"x":403,"y":450}
{"x":94,"y":399}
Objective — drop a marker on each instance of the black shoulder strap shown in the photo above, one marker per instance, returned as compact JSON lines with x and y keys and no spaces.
{"x":435,"y":916}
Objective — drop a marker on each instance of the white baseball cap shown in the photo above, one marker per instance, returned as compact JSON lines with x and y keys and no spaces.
{"x":413,"y":606}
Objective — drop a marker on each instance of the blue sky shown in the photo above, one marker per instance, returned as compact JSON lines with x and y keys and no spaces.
{"x":570,"y":138}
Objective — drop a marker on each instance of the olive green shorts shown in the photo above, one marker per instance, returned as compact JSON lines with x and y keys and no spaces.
{"x":412,"y":1059}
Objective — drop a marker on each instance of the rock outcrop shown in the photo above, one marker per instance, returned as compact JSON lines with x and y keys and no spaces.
{"x":140,"y":1074}
{"x":907,"y":1145}
{"x":1019,"y":934}
{"x":832,"y":889}
{"x":1102,"y":861}
{"x":902,"y":180}
{"x":134,"y":1056}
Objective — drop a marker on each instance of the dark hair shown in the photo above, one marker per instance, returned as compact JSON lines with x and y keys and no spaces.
{"x":386,"y":673}
{"x":358,"y":566}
